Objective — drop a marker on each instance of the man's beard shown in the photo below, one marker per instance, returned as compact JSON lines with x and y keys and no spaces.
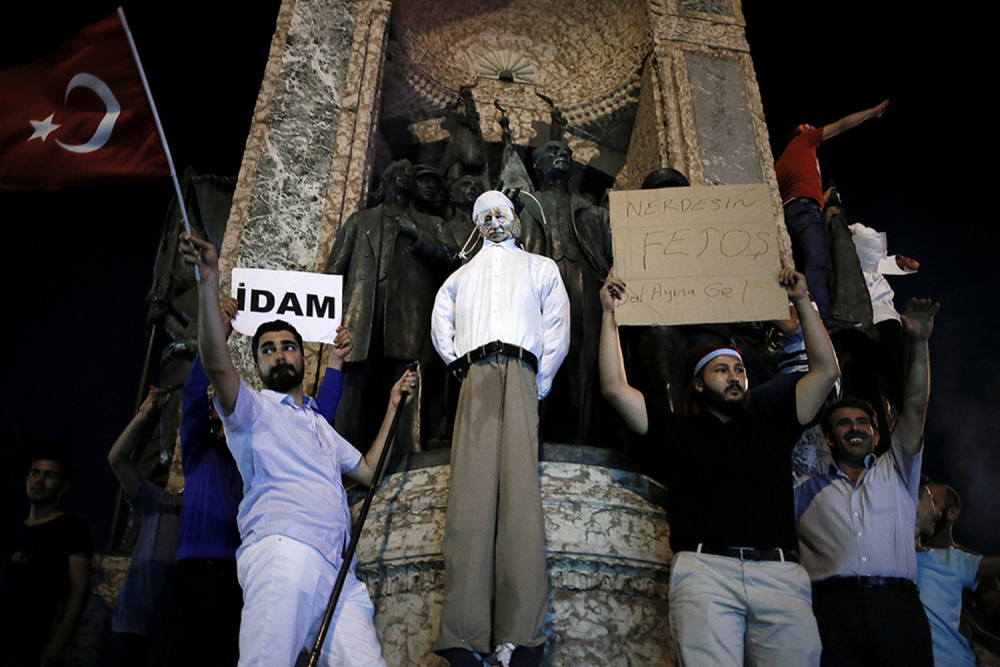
{"x":732,"y":407}
{"x":941,"y":523}
{"x":283,"y":378}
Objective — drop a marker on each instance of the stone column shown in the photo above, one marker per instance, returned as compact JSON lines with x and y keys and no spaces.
{"x":307,"y":160}
{"x":712,"y":118}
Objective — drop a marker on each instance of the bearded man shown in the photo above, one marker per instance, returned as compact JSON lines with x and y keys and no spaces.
{"x":501,"y":322}
{"x":737,"y":594}
{"x":294,"y":519}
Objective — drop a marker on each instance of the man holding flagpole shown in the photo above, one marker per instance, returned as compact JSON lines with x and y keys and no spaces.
{"x":294,"y":519}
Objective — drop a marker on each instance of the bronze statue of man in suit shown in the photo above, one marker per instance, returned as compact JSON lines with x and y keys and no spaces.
{"x":392,"y":260}
{"x":577,"y":235}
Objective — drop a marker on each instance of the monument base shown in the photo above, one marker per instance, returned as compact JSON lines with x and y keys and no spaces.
{"x":608,"y":559}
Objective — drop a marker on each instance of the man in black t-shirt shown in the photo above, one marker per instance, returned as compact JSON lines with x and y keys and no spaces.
{"x":735,"y":584}
{"x":44,"y":561}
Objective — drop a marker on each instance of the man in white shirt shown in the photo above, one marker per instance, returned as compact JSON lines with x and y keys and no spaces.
{"x":294,"y":519}
{"x":502,"y":323}
{"x":855,"y":521}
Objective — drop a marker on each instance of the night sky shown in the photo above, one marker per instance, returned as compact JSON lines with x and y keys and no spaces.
{"x":77,"y":263}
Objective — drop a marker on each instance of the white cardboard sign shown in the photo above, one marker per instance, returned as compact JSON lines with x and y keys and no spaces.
{"x":311,"y":302}
{"x":697,"y":255}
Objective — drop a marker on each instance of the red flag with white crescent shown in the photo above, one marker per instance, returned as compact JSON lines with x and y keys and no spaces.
{"x":79,"y":116}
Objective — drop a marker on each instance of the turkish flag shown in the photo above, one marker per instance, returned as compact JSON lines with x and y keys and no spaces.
{"x":79,"y":116}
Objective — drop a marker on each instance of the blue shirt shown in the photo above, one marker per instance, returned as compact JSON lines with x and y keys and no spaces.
{"x":847,"y":530}
{"x":138,"y":600}
{"x":941,"y":575}
{"x":213,"y":487}
{"x":291,"y":461}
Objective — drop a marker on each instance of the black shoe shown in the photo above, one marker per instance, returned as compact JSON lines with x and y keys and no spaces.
{"x":527,"y":656}
{"x":461,"y":657}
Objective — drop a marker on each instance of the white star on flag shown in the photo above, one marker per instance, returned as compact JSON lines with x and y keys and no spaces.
{"x":43,"y":127}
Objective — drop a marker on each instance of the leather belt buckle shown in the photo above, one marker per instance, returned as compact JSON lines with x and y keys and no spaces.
{"x":493,"y":347}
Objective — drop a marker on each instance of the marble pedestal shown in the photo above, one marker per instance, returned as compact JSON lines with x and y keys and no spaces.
{"x":608,"y":559}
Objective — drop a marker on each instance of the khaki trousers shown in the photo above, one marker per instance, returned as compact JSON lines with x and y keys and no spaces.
{"x":496,"y":581}
{"x":724,"y":611}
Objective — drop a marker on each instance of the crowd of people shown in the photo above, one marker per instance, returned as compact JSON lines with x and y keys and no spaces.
{"x":767,"y":569}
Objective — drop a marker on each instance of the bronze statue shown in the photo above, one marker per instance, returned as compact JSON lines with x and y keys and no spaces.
{"x":513,"y":174}
{"x":577,"y":235}
{"x":460,"y":233}
{"x":429,"y":195}
{"x":557,"y":121}
{"x":465,"y":152}
{"x":173,"y":297}
{"x":392,"y":260}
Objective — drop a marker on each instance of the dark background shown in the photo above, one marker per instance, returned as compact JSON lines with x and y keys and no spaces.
{"x":77,"y":263}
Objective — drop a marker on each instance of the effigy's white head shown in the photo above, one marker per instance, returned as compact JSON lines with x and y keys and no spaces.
{"x":494,"y":216}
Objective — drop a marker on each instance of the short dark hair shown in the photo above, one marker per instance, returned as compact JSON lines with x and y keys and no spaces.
{"x":951,"y":497}
{"x":954,"y":500}
{"x":59,"y":455}
{"x":849,"y":402}
{"x":268,"y":327}
{"x":795,"y":131}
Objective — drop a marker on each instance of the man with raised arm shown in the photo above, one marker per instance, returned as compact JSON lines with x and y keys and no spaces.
{"x":736,"y":590}
{"x":855,"y":523}
{"x":203,"y":601}
{"x":294,"y":520}
{"x":139,"y":603}
{"x":801,"y":187}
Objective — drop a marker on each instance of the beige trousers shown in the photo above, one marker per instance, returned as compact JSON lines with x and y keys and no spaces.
{"x":724,"y":611}
{"x":496,"y":581}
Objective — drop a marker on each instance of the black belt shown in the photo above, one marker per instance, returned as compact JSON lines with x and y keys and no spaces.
{"x":800,"y":200}
{"x":747,"y":553}
{"x":883,"y":583}
{"x":461,"y":365}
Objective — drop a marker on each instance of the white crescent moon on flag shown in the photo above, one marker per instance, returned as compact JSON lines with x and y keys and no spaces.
{"x":107,"y":123}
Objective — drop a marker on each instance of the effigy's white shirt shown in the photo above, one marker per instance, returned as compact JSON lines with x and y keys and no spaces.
{"x":509,"y":295}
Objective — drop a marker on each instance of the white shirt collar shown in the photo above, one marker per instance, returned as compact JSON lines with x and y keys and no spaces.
{"x":506,"y":244}
{"x":281,"y":397}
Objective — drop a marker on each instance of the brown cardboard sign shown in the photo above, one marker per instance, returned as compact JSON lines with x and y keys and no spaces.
{"x":697,"y":255}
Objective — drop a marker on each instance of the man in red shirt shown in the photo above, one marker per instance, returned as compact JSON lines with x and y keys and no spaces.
{"x":801,"y":188}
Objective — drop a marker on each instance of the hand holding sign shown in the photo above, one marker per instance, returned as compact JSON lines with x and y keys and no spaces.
{"x":342,"y":346}
{"x":794,"y":283}
{"x":228,"y":309}
{"x":613,"y":290}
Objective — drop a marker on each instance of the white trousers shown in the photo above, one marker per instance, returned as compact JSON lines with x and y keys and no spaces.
{"x":724,"y":611}
{"x":286,"y":587}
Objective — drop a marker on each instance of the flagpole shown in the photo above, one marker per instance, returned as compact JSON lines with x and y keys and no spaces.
{"x":159,"y":129}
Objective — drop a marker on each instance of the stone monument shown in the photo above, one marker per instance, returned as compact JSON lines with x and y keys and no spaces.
{"x":352,"y":84}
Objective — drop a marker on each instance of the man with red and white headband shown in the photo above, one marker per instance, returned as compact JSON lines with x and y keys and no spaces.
{"x":501,"y":323}
{"x":736,"y":589}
